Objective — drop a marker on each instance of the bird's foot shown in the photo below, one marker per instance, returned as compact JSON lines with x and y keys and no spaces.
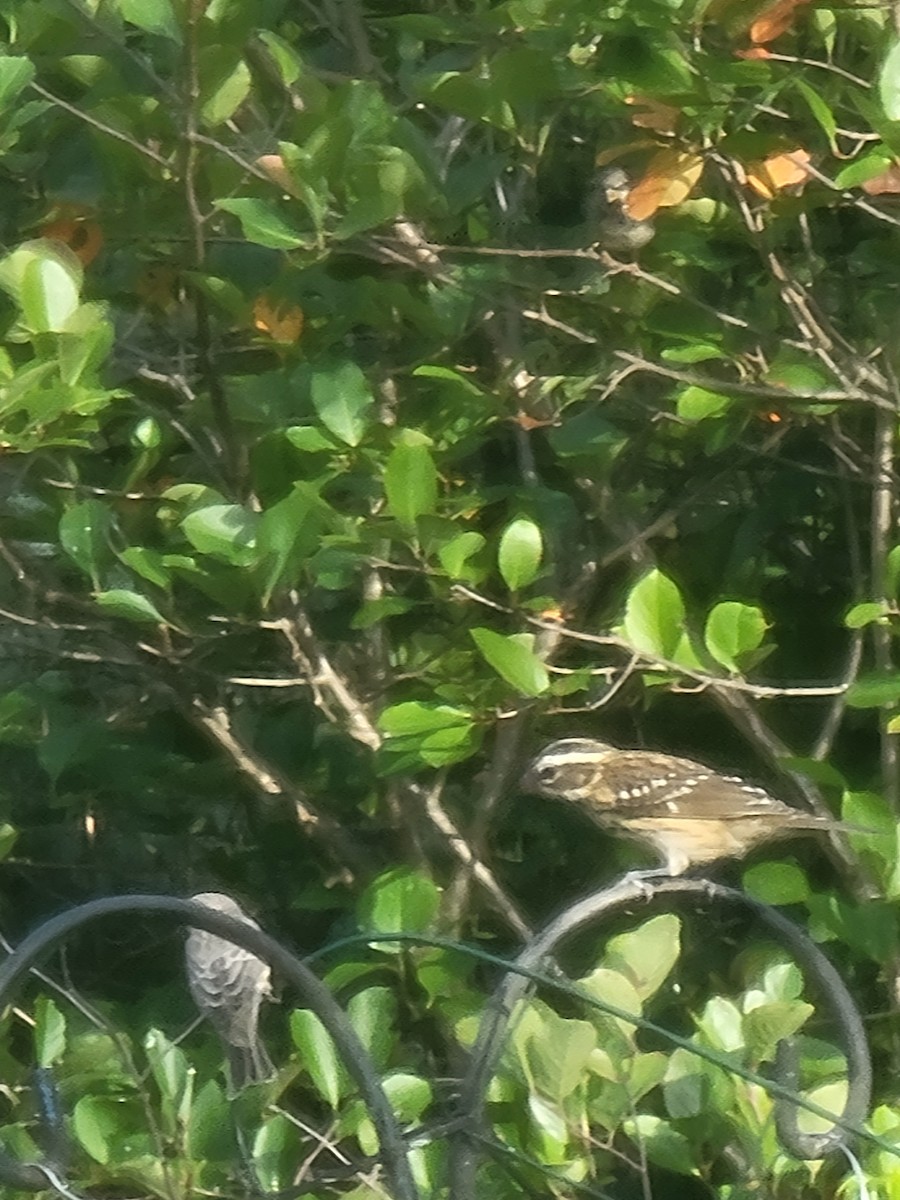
{"x":644,"y":880}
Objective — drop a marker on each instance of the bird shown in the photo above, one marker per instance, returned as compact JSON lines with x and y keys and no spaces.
{"x":687,"y":812}
{"x":606,"y":212}
{"x":228,"y":984}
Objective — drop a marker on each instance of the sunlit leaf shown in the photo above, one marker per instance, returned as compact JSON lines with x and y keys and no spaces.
{"x":410,"y":478}
{"x":669,"y":178}
{"x":778,"y":171}
{"x":131,"y":606}
{"x":519,"y":556}
{"x":514,"y":659}
{"x":775,"y":20}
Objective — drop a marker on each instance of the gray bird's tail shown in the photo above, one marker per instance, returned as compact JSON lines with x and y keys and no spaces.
{"x":248,"y":1064}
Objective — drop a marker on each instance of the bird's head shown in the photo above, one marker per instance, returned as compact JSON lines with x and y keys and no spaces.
{"x":566,"y":769}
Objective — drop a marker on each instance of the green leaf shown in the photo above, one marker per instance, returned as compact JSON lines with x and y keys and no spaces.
{"x":874,"y":690}
{"x":732,"y":630}
{"x":698,"y":404}
{"x":372,"y":1014}
{"x":95,"y":1121}
{"x":410,"y":479}
{"x":263,"y":224}
{"x":663,"y":1145}
{"x":44,"y":278}
{"x":456,"y":553}
{"x":371,"y":612}
{"x":15,"y":74}
{"x":768,"y":1024}
{"x":822,"y":114}
{"x":153,"y":16}
{"x":148,"y":564}
{"x":173,"y":1079}
{"x":225,"y":531}
{"x":646,"y":955}
{"x":553,"y":1051}
{"x":84,"y":531}
{"x":654,"y":616}
{"x":409,"y":1096}
{"x":889,"y":83}
{"x":399,"y":901}
{"x":343,"y":401}
{"x":431,"y":371}
{"x":9,"y":835}
{"x":613,"y":988}
{"x":425,"y":732}
{"x":287,"y":535}
{"x":864,"y":168}
{"x":685,"y":1087}
{"x":49,"y":1032}
{"x":284,"y":55}
{"x":318,"y":1055}
{"x":226,"y":84}
{"x":861,"y":615}
{"x":514,"y":660}
{"x":892,"y":570}
{"x":273,"y":1164}
{"x":309,"y":439}
{"x":776,"y":883}
{"x":519,"y":556}
{"x":416,"y":717}
{"x":131,"y":606}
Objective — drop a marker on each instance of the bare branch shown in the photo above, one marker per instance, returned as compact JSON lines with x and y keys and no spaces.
{"x":269,"y":783}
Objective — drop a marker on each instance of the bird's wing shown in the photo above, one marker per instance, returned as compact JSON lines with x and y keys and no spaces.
{"x":645,"y":783}
{"x":227,"y":984}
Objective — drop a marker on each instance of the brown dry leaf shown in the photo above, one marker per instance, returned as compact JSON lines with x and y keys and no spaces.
{"x":885,"y":183}
{"x":774,"y":21}
{"x":75,"y":229}
{"x":527,"y":422}
{"x":669,"y":179}
{"x":653,"y":114}
{"x":273,"y":166}
{"x":778,"y":171}
{"x":157,"y":286}
{"x":282,"y":322}
{"x":755,"y":52}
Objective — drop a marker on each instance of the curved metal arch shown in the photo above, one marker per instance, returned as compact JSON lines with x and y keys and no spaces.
{"x":514,"y":987}
{"x":394,"y":1148}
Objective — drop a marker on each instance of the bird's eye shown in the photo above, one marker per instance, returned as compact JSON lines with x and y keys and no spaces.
{"x":546,"y":774}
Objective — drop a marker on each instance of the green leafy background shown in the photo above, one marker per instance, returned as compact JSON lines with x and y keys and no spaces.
{"x":342,"y":468}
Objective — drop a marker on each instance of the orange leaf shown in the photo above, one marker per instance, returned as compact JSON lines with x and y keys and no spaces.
{"x":282,"y":322}
{"x":778,"y":171}
{"x":756,"y":52}
{"x":156,"y":286}
{"x":887,"y":181}
{"x":82,"y":235}
{"x":525,"y":421}
{"x":774,"y":21}
{"x":669,"y":179}
{"x":273,"y":165}
{"x":653,"y":114}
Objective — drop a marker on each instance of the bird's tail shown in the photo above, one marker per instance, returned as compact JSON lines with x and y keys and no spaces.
{"x":831,"y":825}
{"x":249,"y":1064}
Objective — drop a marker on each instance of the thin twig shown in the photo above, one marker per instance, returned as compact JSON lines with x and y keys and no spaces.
{"x":267,"y":782}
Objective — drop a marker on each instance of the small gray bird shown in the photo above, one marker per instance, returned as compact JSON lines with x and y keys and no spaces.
{"x":607,"y":216}
{"x":228,"y":985}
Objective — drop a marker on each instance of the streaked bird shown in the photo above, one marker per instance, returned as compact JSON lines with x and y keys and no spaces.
{"x":686,"y":812}
{"x":228,"y":985}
